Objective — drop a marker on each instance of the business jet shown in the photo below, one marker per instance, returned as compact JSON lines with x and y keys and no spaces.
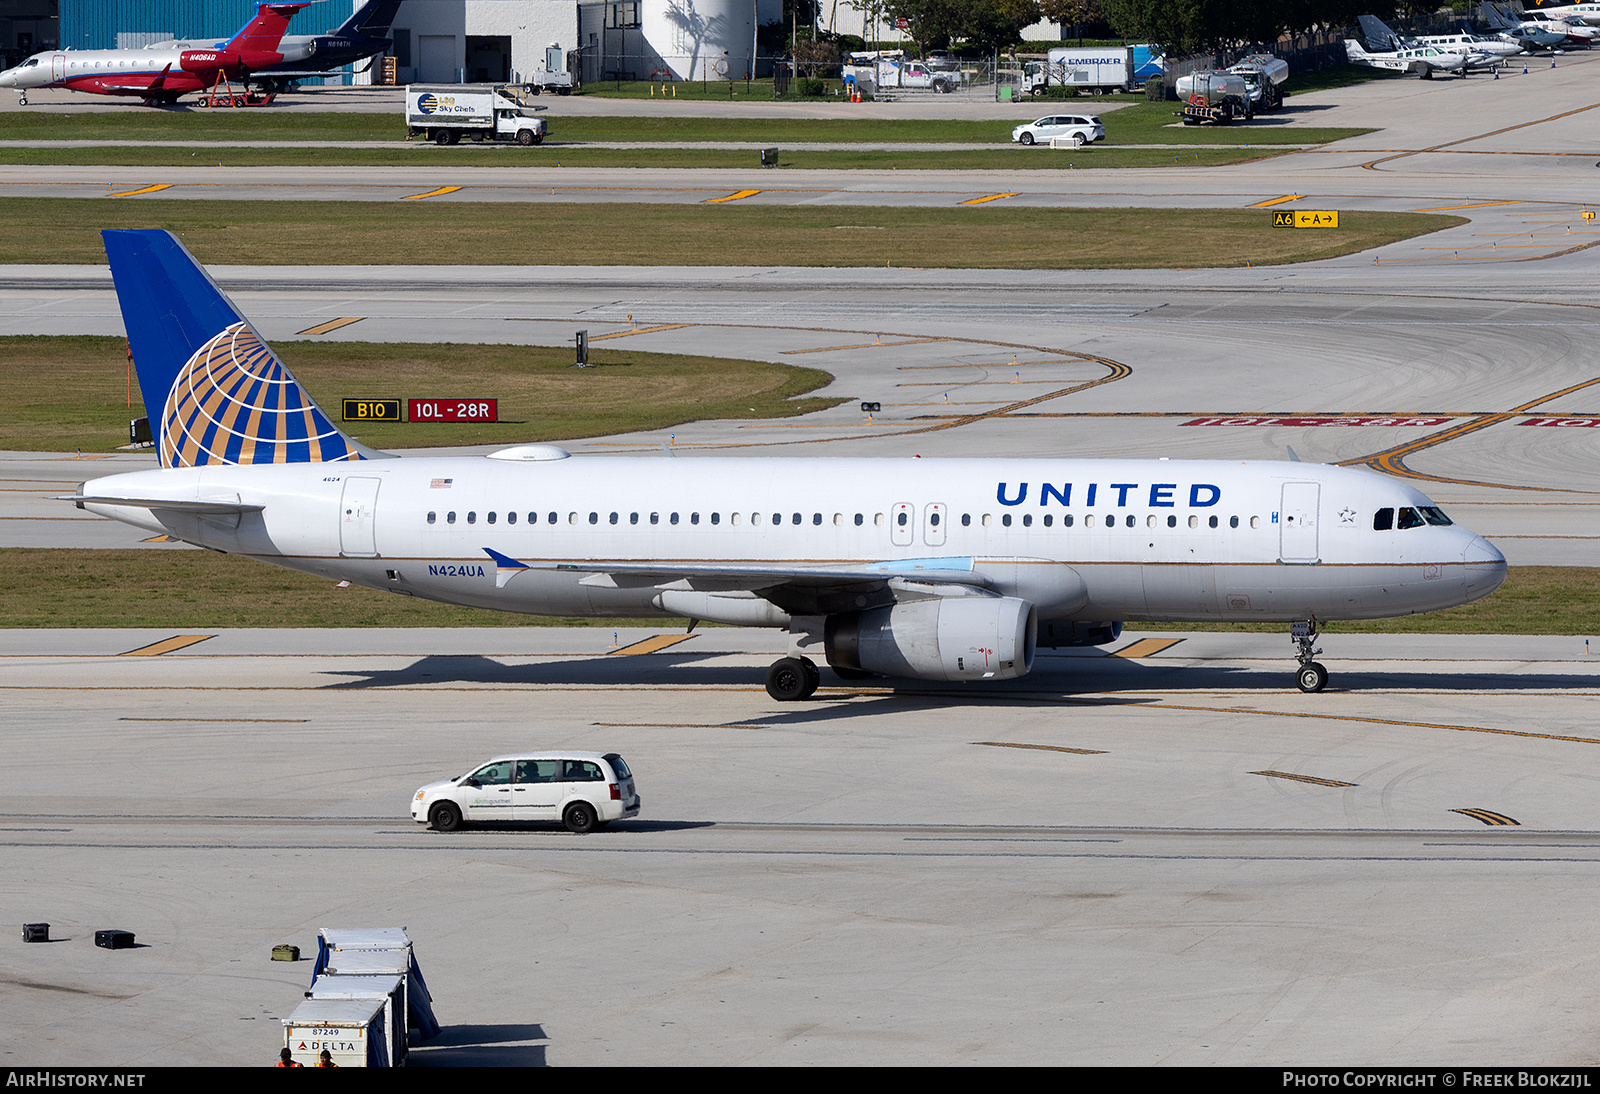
{"x":359,"y":38}
{"x":933,"y":569}
{"x":1589,"y":12}
{"x":161,"y":75}
{"x":1423,"y":60}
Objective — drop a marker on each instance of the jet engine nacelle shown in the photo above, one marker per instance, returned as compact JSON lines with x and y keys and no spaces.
{"x":952,"y":638}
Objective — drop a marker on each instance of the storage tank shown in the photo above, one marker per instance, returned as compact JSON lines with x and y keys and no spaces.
{"x":701,"y":39}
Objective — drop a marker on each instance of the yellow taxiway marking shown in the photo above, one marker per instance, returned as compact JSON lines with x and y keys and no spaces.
{"x":163,"y":538}
{"x":864,"y":345}
{"x":1147,"y":647}
{"x":654,"y":644}
{"x":142,"y":190}
{"x":990,"y":197}
{"x":432,"y":193}
{"x":1303,"y":778}
{"x":639,"y":330}
{"x":330,"y":325}
{"x":1487,"y":817}
{"x":1474,"y":205}
{"x":167,"y":645}
{"x":731,"y":197}
{"x":214,"y":720}
{"x":1044,"y":748}
{"x":1275,"y":201}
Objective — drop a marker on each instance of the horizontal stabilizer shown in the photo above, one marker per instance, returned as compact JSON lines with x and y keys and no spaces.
{"x":204,"y":508}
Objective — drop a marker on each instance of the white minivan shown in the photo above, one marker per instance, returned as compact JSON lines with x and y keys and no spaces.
{"x":1080,"y":129}
{"x":582,"y":790}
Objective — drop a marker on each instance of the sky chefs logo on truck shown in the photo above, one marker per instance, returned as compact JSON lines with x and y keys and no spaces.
{"x":428,"y":104}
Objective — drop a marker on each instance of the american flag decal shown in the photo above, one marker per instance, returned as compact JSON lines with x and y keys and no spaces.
{"x":440,"y":484}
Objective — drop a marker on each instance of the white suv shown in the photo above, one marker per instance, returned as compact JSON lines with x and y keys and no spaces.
{"x":1080,"y":129}
{"x":582,"y":790}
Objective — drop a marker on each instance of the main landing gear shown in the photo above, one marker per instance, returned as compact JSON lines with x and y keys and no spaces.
{"x":792,"y":679}
{"x":1310,"y":676}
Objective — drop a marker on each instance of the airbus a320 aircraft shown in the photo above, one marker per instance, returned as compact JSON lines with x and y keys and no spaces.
{"x":936,"y":569}
{"x":162,"y":75}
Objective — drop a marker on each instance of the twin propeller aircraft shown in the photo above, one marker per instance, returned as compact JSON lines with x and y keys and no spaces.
{"x":932,"y":569}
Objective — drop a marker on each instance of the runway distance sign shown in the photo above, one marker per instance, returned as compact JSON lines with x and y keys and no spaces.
{"x":453,"y":410}
{"x":1306,"y":218}
{"x":372,"y":410}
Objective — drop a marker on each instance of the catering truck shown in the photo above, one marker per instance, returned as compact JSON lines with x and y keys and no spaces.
{"x":444,"y":113}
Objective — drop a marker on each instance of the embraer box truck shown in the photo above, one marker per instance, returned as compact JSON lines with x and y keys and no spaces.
{"x":444,"y":113}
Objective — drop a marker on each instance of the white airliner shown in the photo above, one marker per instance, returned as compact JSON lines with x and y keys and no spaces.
{"x":935,"y":569}
{"x":162,"y":75}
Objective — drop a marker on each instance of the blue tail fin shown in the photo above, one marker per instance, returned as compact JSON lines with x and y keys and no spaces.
{"x":215,"y":392}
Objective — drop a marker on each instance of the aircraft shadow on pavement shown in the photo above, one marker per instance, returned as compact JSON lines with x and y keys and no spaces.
{"x":483,"y":1046}
{"x":1052,"y":680}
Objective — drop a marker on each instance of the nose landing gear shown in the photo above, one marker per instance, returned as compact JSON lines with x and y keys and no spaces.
{"x":1310,"y":676}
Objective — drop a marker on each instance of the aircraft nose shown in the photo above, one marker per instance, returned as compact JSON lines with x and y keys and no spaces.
{"x":1485,"y":567}
{"x":8,"y":78}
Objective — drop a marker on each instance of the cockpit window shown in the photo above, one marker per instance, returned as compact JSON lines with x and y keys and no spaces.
{"x":1383,"y":520}
{"x":1410,"y":518}
{"x":1434,"y":515}
{"x":32,"y":61}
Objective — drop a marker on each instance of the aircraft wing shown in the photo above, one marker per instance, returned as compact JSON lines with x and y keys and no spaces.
{"x":793,"y":586}
{"x":203,"y":508}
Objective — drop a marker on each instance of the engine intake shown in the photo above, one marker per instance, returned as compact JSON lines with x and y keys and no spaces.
{"x":954,"y":638}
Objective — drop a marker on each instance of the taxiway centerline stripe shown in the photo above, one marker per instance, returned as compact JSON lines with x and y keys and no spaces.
{"x":166,"y":645}
{"x":1474,"y":205}
{"x":1303,"y":778}
{"x":296,"y":720}
{"x":1044,"y":748}
{"x":653,"y":644}
{"x":865,"y":345}
{"x":431,"y":193}
{"x":731,"y":197}
{"x":142,"y":190}
{"x":1373,"y":165}
{"x":162,"y":538}
{"x":990,"y":197}
{"x":330,"y":325}
{"x":640,"y":330}
{"x":1385,"y":722}
{"x":1275,"y":201}
{"x":1147,"y":647}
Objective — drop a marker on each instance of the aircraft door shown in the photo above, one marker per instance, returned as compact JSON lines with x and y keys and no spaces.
{"x":357,"y":516}
{"x":933,"y":518}
{"x":902,"y":524}
{"x":58,"y":67}
{"x":1297,"y":523}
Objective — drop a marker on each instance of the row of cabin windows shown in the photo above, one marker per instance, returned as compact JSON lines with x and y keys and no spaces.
{"x":1384,"y":519}
{"x":902,"y":519}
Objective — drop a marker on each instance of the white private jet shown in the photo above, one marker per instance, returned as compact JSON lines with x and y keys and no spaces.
{"x":162,"y":75}
{"x":1423,"y":60}
{"x":934,"y":569}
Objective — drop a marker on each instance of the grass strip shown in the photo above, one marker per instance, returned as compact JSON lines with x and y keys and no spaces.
{"x":542,"y":398}
{"x":989,"y":236}
{"x":182,"y":588}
